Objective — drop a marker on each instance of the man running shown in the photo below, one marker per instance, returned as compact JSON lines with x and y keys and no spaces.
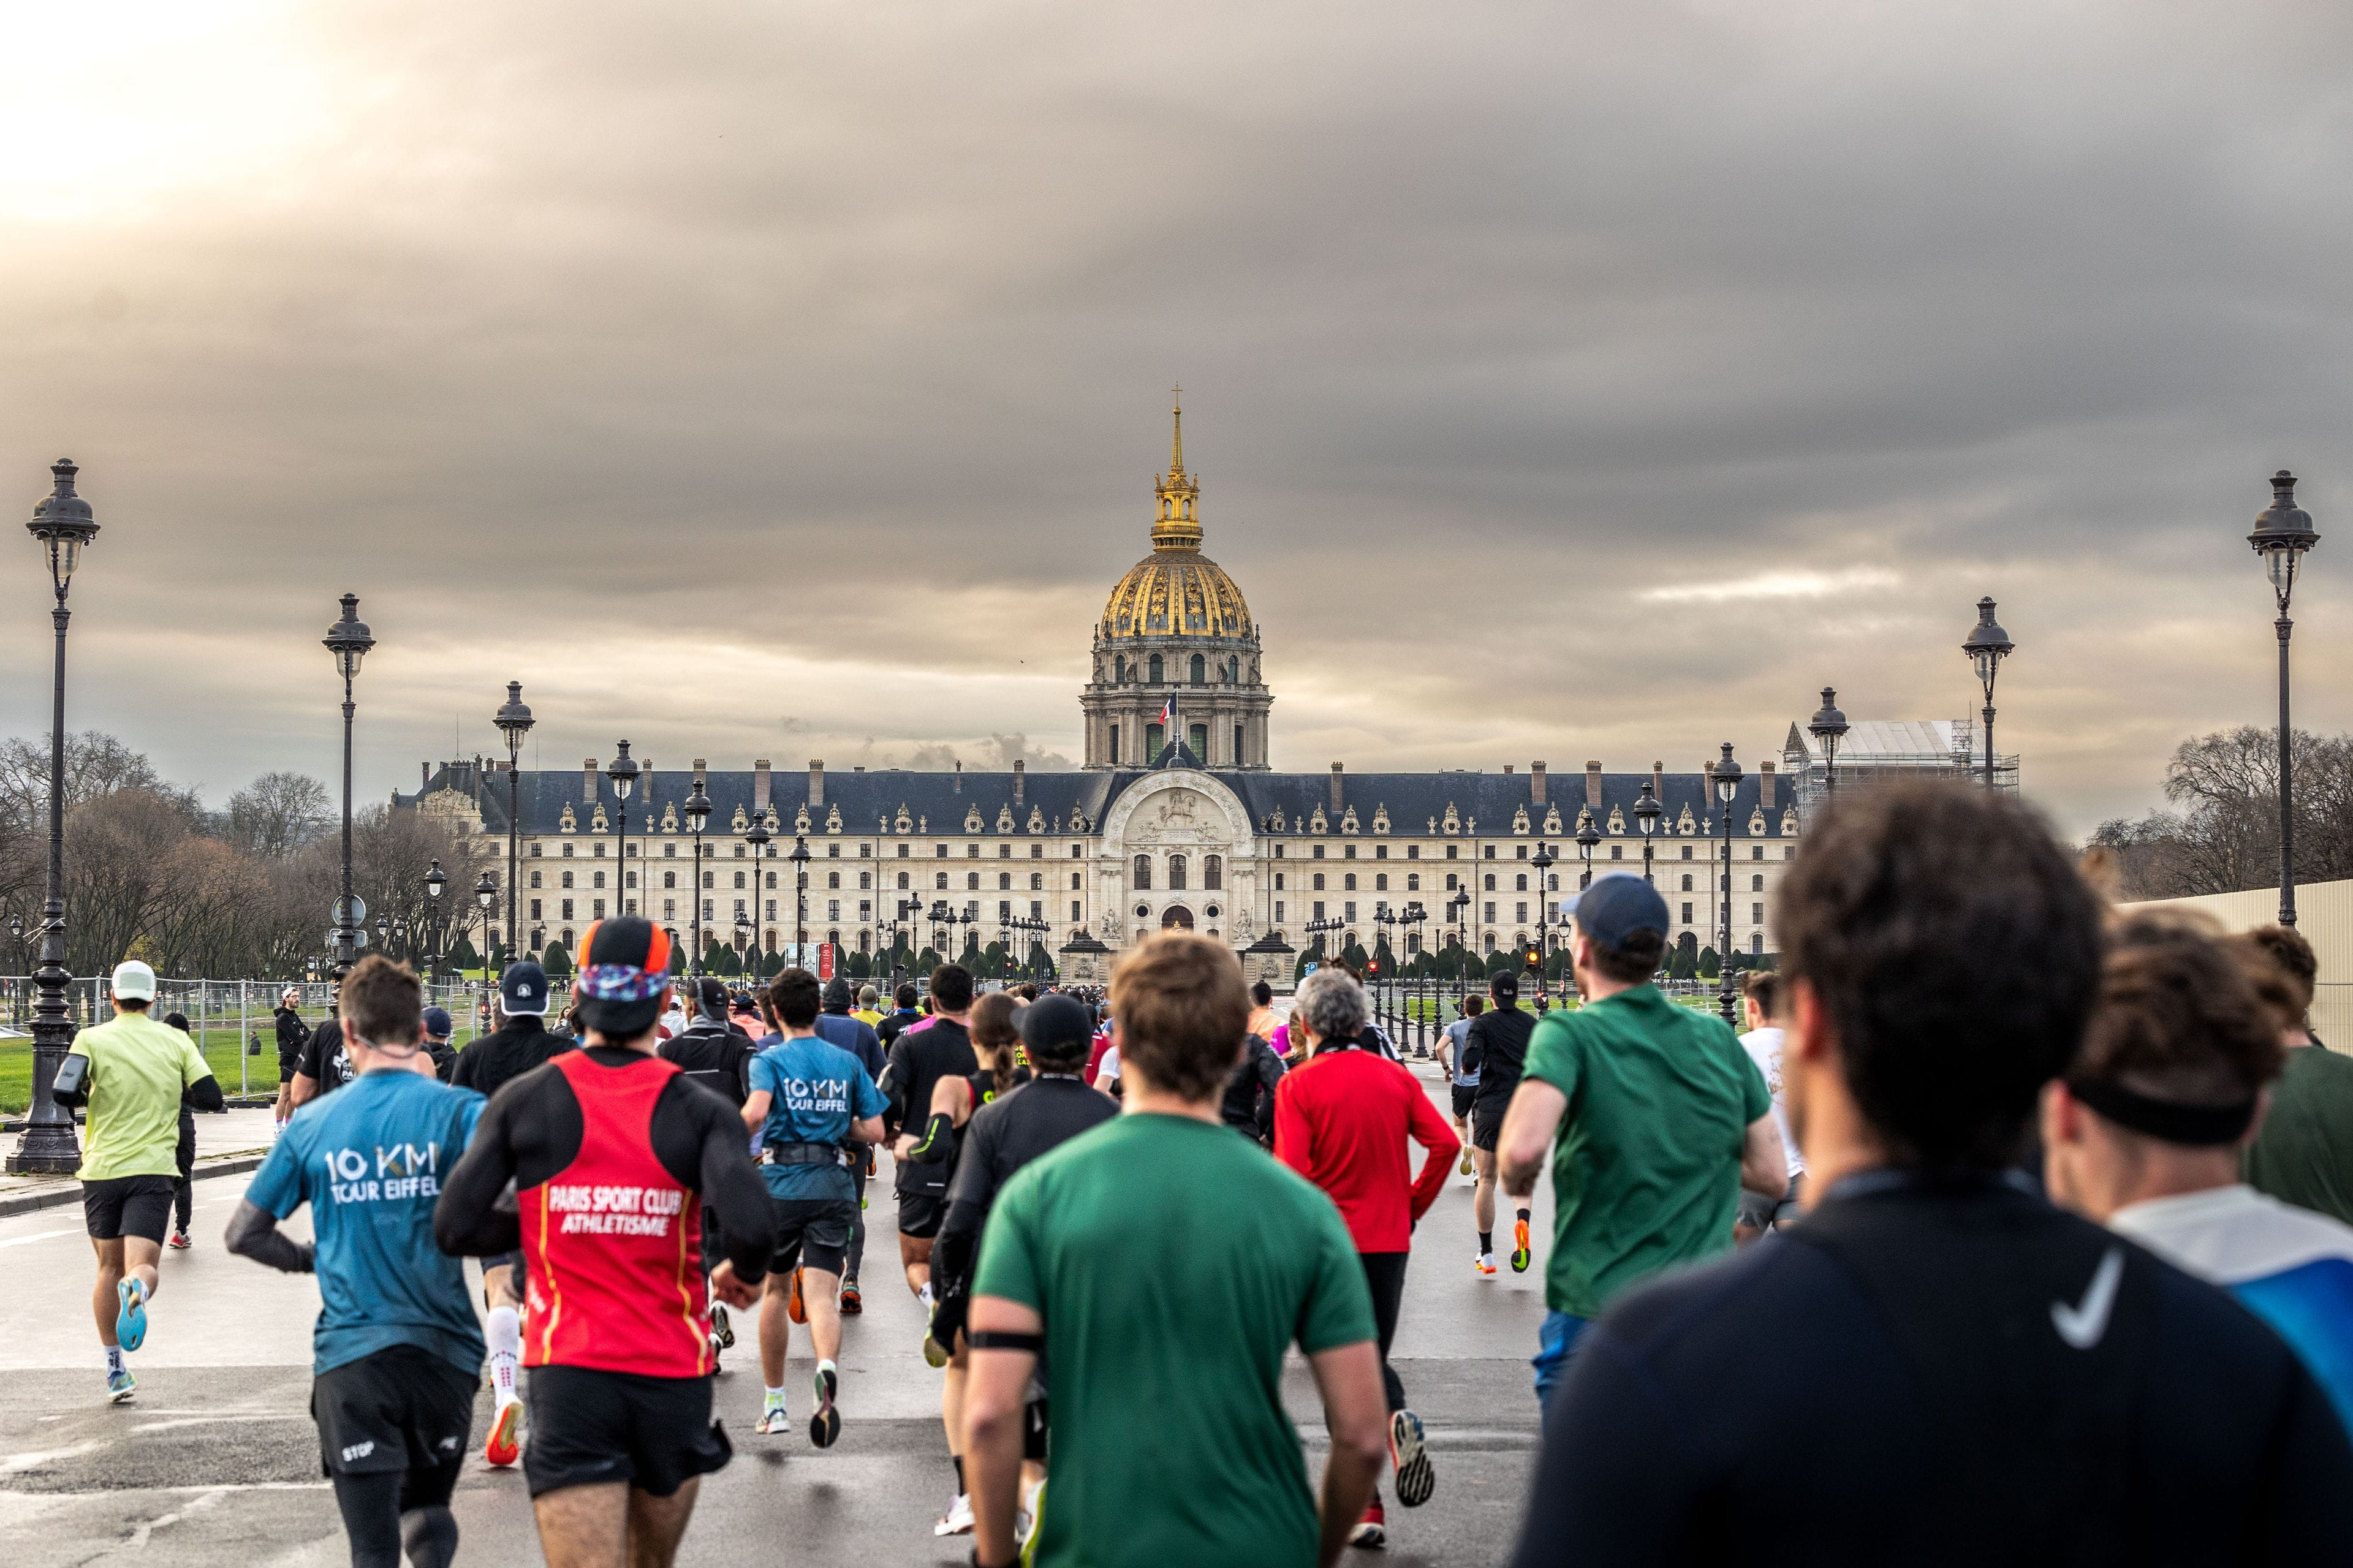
{"x":183,"y":1156}
{"x":610,"y":1150}
{"x":1934,"y":1366}
{"x":1496,"y":1045}
{"x":920,"y":1057}
{"x":1263,"y":1018}
{"x":1248,"y":1104}
{"x":1461,"y":1073}
{"x":1342,"y":1120}
{"x":293,"y":1036}
{"x":1168,"y":1441}
{"x":492,"y":1061}
{"x":868,"y":1012}
{"x":905,"y":1012}
{"x":838,"y":1025}
{"x":807,"y":1099}
{"x":714,"y":1055}
{"x":397,"y":1352}
{"x":437,"y":1030}
{"x":130,"y":1074}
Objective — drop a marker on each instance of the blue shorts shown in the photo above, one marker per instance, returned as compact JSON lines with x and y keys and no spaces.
{"x":1556,"y":1342}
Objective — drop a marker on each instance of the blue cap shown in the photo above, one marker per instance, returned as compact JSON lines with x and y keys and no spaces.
{"x":437,"y":1023}
{"x":523,"y":988}
{"x":1615,"y":906}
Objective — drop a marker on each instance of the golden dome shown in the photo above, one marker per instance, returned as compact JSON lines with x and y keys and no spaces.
{"x":1176,"y":591}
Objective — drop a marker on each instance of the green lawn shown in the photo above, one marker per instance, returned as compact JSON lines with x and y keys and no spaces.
{"x":259,"y":1074}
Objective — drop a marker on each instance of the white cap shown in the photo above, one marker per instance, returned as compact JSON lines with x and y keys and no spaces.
{"x":133,"y":981}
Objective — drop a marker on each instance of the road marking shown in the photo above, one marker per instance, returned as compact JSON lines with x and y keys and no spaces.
{"x":39,"y":1235}
{"x":206,"y":1420}
{"x":11,"y":1463}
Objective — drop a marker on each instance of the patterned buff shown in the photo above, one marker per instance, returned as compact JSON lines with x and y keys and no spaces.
{"x":625,"y":982}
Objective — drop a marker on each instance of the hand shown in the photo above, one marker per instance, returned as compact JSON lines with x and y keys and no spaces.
{"x":729,"y":1288}
{"x":947,"y":1318}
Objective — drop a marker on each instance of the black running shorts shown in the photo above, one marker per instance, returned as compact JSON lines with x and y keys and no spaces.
{"x":1466,"y":1095}
{"x":128,"y":1205}
{"x":1033,"y":1431}
{"x":812,"y":1231}
{"x":1487,"y":1123}
{"x":920,"y":1214}
{"x":401,"y":1409}
{"x":589,"y":1427}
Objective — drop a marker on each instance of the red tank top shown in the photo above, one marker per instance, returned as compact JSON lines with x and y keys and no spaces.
{"x":613,"y":1242}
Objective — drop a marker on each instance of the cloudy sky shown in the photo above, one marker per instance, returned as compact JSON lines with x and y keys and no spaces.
{"x":1567,"y":380}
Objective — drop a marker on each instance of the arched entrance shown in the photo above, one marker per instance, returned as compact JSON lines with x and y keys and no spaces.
{"x":1176,"y":917}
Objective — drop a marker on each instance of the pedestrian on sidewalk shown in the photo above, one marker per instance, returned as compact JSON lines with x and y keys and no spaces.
{"x":183,"y":1155}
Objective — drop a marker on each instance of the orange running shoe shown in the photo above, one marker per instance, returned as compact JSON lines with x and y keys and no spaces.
{"x":505,"y":1445}
{"x":797,"y":1309}
{"x":1520,"y":1253}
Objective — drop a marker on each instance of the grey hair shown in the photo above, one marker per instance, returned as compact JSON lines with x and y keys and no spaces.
{"x":1331,"y":1002}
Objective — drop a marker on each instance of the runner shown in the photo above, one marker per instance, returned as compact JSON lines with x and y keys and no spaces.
{"x":437,"y":1030}
{"x":293,"y":1036}
{"x":1003,"y":1136}
{"x":718,"y":1058}
{"x":868,"y":1012}
{"x":1168,"y":1441}
{"x":1461,"y":1075}
{"x":326,"y":1065}
{"x":1343,"y":1120}
{"x":1248,"y":1104}
{"x":904,"y":1013}
{"x":131,"y":1073}
{"x":609,"y":1150}
{"x":397,"y":1352}
{"x":838,"y":1025}
{"x":183,"y":1156}
{"x":2145,"y":1132}
{"x":488,"y":1065}
{"x":2304,"y":1155}
{"x":1495,"y":1045}
{"x":920,"y":1057}
{"x":1934,"y":1366}
{"x":1263,"y":1018}
{"x":1761,"y":1007}
{"x":953,"y":1100}
{"x":808,"y":1097}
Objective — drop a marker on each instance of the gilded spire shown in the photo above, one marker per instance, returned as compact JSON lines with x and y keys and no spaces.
{"x":1176,"y":445}
{"x":1178,"y":526}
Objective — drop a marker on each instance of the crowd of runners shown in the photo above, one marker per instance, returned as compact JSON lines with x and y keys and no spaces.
{"x":2012,"y":1230}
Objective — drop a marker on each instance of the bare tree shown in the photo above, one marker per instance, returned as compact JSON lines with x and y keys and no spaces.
{"x":2222,"y":833}
{"x":278,"y":813}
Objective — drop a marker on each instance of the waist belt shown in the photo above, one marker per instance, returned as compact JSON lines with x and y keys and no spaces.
{"x":800,"y":1154}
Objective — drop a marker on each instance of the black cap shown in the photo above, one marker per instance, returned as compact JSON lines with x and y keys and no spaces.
{"x":710,"y":998}
{"x":836,"y":992}
{"x":523,"y":988}
{"x":1504,"y":986}
{"x":1057,"y":1028}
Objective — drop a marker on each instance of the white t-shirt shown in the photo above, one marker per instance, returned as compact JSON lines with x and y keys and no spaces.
{"x":1107,"y":1069}
{"x":1764,"y":1049}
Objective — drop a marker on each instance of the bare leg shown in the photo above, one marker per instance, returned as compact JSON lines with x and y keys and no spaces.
{"x":952,"y":1397}
{"x":586,"y":1527}
{"x":103,"y":1302}
{"x":1482,"y":1202}
{"x":776,"y":1326}
{"x":915,"y":1257}
{"x":821,"y":1299}
{"x":656,"y":1524}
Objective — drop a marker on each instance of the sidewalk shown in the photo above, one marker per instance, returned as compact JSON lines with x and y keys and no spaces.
{"x":226,"y":1142}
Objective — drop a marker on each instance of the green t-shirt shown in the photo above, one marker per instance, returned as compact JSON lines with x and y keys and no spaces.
{"x":138,"y":1066}
{"x":1174,"y":1263}
{"x":1646,"y":1167}
{"x":2305,"y":1154}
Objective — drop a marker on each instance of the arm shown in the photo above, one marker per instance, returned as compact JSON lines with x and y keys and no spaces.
{"x":951,"y":1102}
{"x":996,"y":1393}
{"x":1270,"y":1083}
{"x":731,"y":1184}
{"x":1764,"y":1167}
{"x":1439,"y":1145}
{"x":468,"y":1218}
{"x":204,"y":1094}
{"x":253,"y":1233}
{"x":71,"y":1087}
{"x":867,"y":1131}
{"x":1529,"y":1126}
{"x":755,"y":1108}
{"x":305,"y":1088}
{"x":1355,"y":1412}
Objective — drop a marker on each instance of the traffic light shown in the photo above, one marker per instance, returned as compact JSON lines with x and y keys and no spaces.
{"x":1372,"y":968}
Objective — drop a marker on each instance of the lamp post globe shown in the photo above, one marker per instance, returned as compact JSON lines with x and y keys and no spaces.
{"x":348,"y":641}
{"x":2284,"y":531}
{"x":1987,"y":646}
{"x":1589,"y":839}
{"x":433,"y":882}
{"x":622,"y":770}
{"x":62,"y":526}
{"x":1727,"y":790}
{"x":1647,"y":813}
{"x":486,"y":898}
{"x":1829,"y":726}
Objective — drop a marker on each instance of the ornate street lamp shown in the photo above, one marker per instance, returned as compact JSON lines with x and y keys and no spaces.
{"x":756,"y":838}
{"x":697,"y":812}
{"x":800,"y":858}
{"x":348,"y":641}
{"x":1646,"y":817}
{"x":1829,"y":726}
{"x":1459,"y":905}
{"x":622,"y":770}
{"x":2284,"y":531}
{"x":1987,"y":647}
{"x":434,"y":882}
{"x":1727,"y":787}
{"x":515,"y":722}
{"x":1589,"y":839}
{"x":1413,"y":914}
{"x":486,"y":895}
{"x":1543,"y":860}
{"x":62,"y":525}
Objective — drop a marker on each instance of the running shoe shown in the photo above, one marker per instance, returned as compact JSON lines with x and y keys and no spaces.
{"x":131,"y":1322}
{"x":505,"y":1445}
{"x":959,"y":1518}
{"x":1372,"y":1530}
{"x":179,"y":1241}
{"x":774,"y":1419}
{"x":1484,"y":1263}
{"x":1026,"y":1522}
{"x":851,"y":1305}
{"x":1465,"y":1167}
{"x":119,"y":1386}
{"x":935,"y":1353}
{"x":723,"y":1331}
{"x":795,"y":1307}
{"x":1409,"y":1456}
{"x":1520,"y":1253}
{"x":826,"y":1425}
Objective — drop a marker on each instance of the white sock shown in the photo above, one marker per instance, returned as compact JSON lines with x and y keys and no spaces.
{"x":506,"y":1349}
{"x":114,"y":1360}
{"x":924,"y":1295}
{"x":775,"y":1398}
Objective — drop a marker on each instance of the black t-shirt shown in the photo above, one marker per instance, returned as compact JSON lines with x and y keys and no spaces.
{"x":324,"y":1062}
{"x":1496,"y":1047}
{"x":1005,"y":1134}
{"x":918,"y":1061}
{"x":716,"y":1057}
{"x":532,"y":1130}
{"x":889,"y":1029}
{"x":1248,"y":1102}
{"x":490,"y":1063}
{"x":1954,"y":1375}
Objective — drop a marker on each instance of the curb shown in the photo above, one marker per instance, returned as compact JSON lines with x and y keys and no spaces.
{"x":69,"y":1191}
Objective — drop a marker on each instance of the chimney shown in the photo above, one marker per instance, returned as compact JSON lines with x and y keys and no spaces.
{"x":1593,"y":784}
{"x":760,"y":785}
{"x":817,"y":783}
{"x":1537,"y":782}
{"x":1507,"y":769}
{"x":958,"y":786}
{"x":1336,"y":789}
{"x":1765,"y":785}
{"x":1659,"y":781}
{"x":427,"y":770}
{"x":588,"y":782}
{"x":1020,"y":779}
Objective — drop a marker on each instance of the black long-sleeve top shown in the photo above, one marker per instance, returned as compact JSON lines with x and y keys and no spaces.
{"x":532,"y":1130}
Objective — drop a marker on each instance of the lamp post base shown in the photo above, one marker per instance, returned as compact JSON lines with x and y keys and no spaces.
{"x":49,"y":1148}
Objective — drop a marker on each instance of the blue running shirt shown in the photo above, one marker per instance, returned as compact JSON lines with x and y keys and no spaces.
{"x":370,"y":1160}
{"x":816,"y":1091}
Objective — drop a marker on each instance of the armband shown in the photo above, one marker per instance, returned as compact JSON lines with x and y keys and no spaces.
{"x":71,"y":1085}
{"x":997,"y":1340}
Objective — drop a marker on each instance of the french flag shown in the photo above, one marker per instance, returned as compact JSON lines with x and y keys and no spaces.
{"x":1168,"y":715}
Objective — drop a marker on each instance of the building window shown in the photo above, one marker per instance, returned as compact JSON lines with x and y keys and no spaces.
{"x":1756,"y":851}
{"x":1319,"y":881}
{"x":1200,"y":671}
{"x":534,"y":909}
{"x":1616,"y":852}
{"x":1686,"y":851}
{"x":1687,"y":887}
{"x":972,"y":851}
{"x":739,"y":878}
{"x":939,"y":881}
{"x":1154,"y":668}
{"x":903,"y":877}
{"x":1277,"y":909}
{"x":1004,"y":881}
{"x":1319,"y":910}
{"x":1522,"y":883}
{"x":1757,"y":942}
{"x":772,"y":909}
{"x":1757,"y":914}
{"x":1237,"y":745}
{"x":1318,"y":852}
{"x":567,"y":914}
{"x":1412,"y":882}
{"x":599,"y":850}
{"x":567,"y":851}
{"x":596,"y":879}
{"x":1348,"y":852}
{"x":1074,"y":911}
{"x":1757,"y":884}
{"x":566,"y":879}
{"x":1491,"y":886}
{"x":1523,"y":851}
{"x":1381,"y":882}
{"x":669,"y":851}
{"x":1144,"y":870}
{"x":669,"y":879}
{"x":1114,"y":744}
{"x":708,"y":879}
{"x":534,"y":879}
{"x":1075,"y":882}
{"x":535,"y":851}
{"x":1687,"y":919}
{"x":1789,"y":853}
{"x":865,"y":878}
{"x":1491,"y":852}
{"x":971,"y":881}
{"x":669,"y":909}
{"x":1523,"y":912}
{"x":832,"y":879}
{"x":1449,"y":881}
{"x":1213,"y":871}
{"x":1348,"y":912}
{"x":1491,"y":915}
{"x":739,"y":852}
{"x":1278,"y":881}
{"x":832,"y":910}
{"x":1349,"y":881}
{"x":707,"y":905}
{"x":1176,"y":873}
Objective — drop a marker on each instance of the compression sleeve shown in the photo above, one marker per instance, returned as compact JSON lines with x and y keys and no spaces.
{"x":735,"y":1195}
{"x":204,"y":1094}
{"x":939,"y":1141}
{"x":253,"y":1233}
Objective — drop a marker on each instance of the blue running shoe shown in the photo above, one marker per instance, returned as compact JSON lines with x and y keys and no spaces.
{"x":130,"y":1322}
{"x":119,"y":1386}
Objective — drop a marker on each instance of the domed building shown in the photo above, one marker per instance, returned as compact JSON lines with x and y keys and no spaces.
{"x":1176,"y":629}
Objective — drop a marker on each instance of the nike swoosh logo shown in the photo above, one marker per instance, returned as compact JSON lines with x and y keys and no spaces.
{"x":2084,"y":1324}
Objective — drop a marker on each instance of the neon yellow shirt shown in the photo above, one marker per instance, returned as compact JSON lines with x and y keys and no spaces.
{"x":138,"y":1066}
{"x":866,"y":1015}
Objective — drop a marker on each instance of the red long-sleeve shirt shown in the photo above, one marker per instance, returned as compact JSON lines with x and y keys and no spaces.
{"x":1342,"y":1118}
